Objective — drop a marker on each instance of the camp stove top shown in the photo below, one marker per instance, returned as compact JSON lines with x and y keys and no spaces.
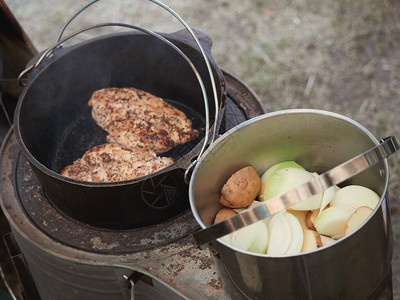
{"x":68,"y":259}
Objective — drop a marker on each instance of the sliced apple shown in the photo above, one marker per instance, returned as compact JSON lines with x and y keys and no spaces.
{"x":326,"y":240}
{"x":297,"y":234}
{"x":357,"y":218}
{"x":311,"y":216}
{"x":280,"y":235}
{"x":332,"y":221}
{"x":355,"y":196}
{"x":311,"y":240}
{"x":286,"y":179}
{"x":300,"y":215}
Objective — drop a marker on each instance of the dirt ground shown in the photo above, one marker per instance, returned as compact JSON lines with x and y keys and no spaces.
{"x":337,"y":55}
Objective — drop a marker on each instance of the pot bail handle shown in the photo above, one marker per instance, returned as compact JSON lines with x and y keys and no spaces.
{"x":319,"y":184}
{"x":191,"y":33}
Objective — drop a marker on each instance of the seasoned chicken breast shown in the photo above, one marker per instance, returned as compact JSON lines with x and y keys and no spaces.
{"x":109,"y":163}
{"x":135,"y":118}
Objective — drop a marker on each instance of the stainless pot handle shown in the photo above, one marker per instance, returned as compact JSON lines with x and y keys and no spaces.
{"x":319,"y":184}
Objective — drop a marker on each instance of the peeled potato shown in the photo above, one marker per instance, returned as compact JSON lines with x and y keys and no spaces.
{"x":241,"y":188}
{"x":224,"y":213}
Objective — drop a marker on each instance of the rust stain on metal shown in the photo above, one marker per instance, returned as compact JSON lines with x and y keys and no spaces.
{"x":203,"y":261}
{"x":215,"y":284}
{"x":175,"y":269}
{"x":98,"y":244}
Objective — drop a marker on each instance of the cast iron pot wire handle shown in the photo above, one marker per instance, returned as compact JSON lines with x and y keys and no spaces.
{"x":317,"y":185}
{"x":59,"y":42}
{"x":50,"y":50}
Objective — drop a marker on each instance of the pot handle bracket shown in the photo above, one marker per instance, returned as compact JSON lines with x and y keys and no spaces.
{"x":47,"y":53}
{"x":317,"y":185}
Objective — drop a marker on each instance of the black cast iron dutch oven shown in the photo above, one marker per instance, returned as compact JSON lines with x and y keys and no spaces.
{"x":54,"y":126}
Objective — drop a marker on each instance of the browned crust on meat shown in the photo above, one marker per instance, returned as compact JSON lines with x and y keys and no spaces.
{"x":109,"y":163}
{"x":135,"y":118}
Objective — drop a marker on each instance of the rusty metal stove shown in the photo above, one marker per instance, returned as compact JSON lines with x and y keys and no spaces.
{"x":71,"y":260}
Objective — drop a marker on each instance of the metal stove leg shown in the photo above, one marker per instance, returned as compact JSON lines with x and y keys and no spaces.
{"x":132,"y":283}
{"x":133,"y":279}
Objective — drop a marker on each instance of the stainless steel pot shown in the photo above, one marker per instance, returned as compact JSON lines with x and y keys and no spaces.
{"x":351,"y":268}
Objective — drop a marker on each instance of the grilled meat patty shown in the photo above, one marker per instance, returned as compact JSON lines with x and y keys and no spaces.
{"x":134,"y":118}
{"x":109,"y":163}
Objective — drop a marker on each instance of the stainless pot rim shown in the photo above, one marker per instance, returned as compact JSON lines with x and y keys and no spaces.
{"x":228,"y":135}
